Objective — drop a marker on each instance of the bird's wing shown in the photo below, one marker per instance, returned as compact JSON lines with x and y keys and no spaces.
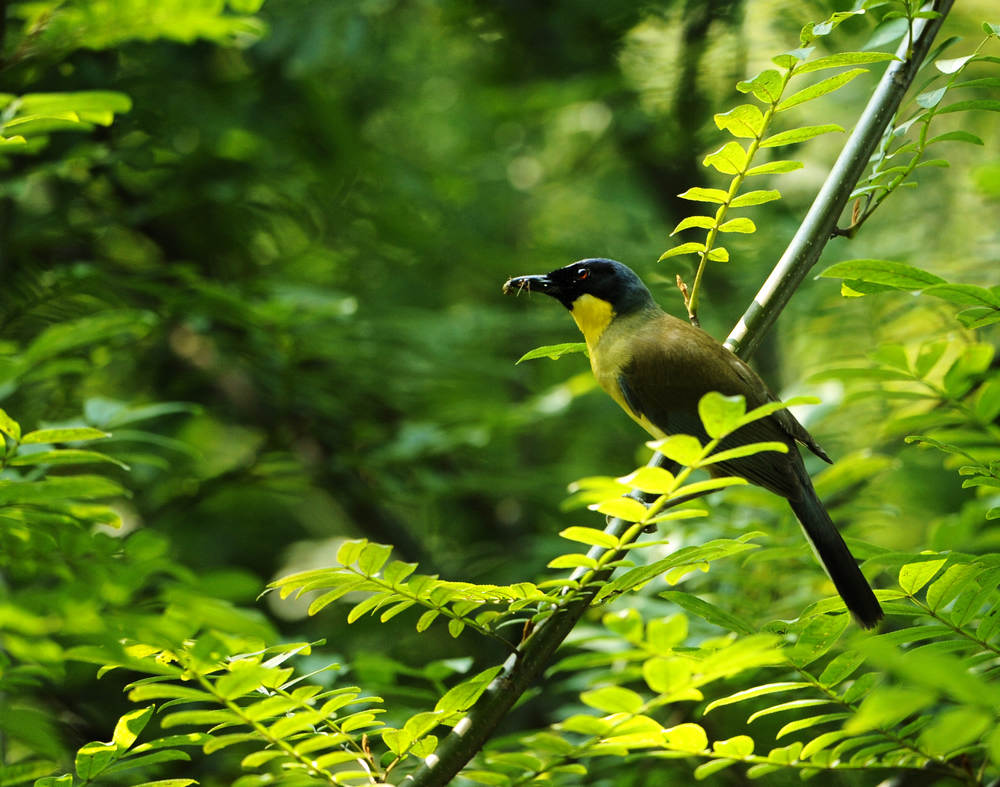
{"x":668,"y":374}
{"x":788,"y":422}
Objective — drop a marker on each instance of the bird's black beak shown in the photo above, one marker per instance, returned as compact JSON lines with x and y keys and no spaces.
{"x":537,"y":283}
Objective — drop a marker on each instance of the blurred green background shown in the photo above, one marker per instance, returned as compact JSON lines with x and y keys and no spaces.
{"x":301,"y":229}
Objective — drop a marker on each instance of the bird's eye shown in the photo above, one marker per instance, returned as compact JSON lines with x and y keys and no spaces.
{"x":582,"y":273}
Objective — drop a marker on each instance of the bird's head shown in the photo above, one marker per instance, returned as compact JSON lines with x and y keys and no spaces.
{"x":607,"y":281}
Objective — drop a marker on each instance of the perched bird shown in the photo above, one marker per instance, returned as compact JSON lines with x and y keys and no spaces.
{"x":657,"y":367}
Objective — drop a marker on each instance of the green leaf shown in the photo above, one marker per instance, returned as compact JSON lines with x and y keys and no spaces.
{"x":964,"y":295}
{"x":953,"y":729}
{"x":93,"y":758}
{"x":730,"y":159}
{"x":738,"y":746}
{"x":973,"y":361}
{"x":741,"y":225}
{"x":370,"y":604}
{"x":745,"y":121}
{"x":809,"y":722}
{"x":290,"y":724}
{"x":130,"y":726}
{"x":465,"y":694}
{"x":613,"y":699}
{"x":64,"y":456}
{"x":700,"y":194}
{"x":66,"y":780}
{"x":553,"y":351}
{"x":711,"y":767}
{"x":887,"y":705}
{"x":775,"y":167}
{"x":883,"y":272}
{"x":710,"y":485}
{"x":667,"y":675}
{"x":817,"y":638}
{"x":987,"y":406}
{"x":993,"y":745}
{"x":9,"y":426}
{"x":821,"y":88}
{"x":956,"y":136}
{"x":768,"y":408}
{"x":707,"y":611}
{"x":928,"y":355}
{"x":952,"y":65}
{"x":167,"y":783}
{"x":687,"y":737}
{"x":702,"y":222}
{"x":721,"y":414}
{"x":749,"y":449}
{"x":914,"y":576}
{"x":350,"y":550}
{"x":81,"y":487}
{"x":654,"y":480}
{"x":952,"y":582}
{"x":765,"y":86}
{"x":843,"y":59}
{"x":719,"y":254}
{"x":787,"y":706}
{"x":758,"y":197}
{"x":756,"y":691}
{"x":691,"y":247}
{"x":572,"y":561}
{"x":798,"y":135}
{"x":173,"y":691}
{"x":373,"y":557}
{"x":242,"y":678}
{"x":591,"y":536}
{"x":931,"y":98}
{"x":621,"y":508}
{"x":397,"y":571}
{"x":69,"y":435}
{"x":681,"y":448}
{"x":129,"y":762}
{"x":425,"y":620}
{"x":978,"y":104}
{"x":841,"y":668}
{"x":821,"y":742}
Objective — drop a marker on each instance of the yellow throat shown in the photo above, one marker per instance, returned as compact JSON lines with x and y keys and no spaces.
{"x":592,"y":316}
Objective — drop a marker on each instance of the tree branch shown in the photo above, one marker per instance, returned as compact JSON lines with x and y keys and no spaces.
{"x":522,"y":669}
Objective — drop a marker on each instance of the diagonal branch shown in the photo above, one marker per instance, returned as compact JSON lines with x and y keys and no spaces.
{"x":522,"y":669}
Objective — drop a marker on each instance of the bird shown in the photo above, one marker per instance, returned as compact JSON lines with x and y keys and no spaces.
{"x":657,"y":367}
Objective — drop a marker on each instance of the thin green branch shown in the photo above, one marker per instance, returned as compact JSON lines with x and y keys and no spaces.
{"x":691,"y":302}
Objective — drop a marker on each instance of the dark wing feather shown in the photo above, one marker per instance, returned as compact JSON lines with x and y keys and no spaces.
{"x":672,"y":366}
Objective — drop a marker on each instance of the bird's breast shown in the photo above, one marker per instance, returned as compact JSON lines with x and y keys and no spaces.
{"x":592,"y":316}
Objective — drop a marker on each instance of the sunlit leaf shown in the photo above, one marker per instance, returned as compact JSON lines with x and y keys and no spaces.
{"x":553,"y":351}
{"x":765,"y":86}
{"x":821,"y":88}
{"x":701,"y":222}
{"x":744,"y":121}
{"x":796,"y":135}
{"x":701,"y":194}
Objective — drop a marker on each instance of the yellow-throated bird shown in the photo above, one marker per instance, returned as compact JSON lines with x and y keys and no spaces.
{"x":657,"y":367}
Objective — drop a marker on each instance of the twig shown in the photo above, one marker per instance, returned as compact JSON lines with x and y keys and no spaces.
{"x":522,"y":669}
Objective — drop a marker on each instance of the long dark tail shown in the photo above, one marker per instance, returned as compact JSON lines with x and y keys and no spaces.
{"x":835,"y":556}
